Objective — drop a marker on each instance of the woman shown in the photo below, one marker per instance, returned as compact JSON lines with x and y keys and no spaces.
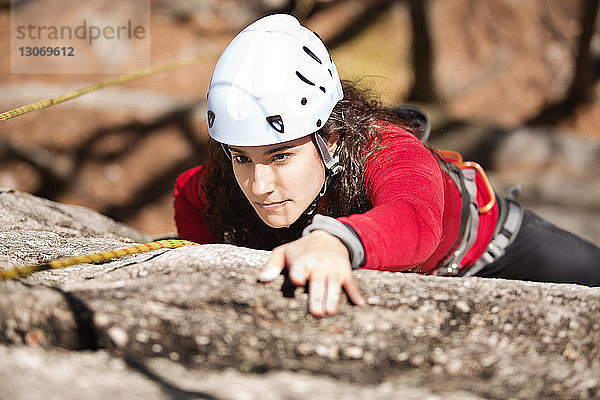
{"x":332,"y":181}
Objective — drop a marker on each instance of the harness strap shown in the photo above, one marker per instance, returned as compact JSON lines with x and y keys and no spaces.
{"x":469,"y":218}
{"x":472,"y":224}
{"x":509,"y":224}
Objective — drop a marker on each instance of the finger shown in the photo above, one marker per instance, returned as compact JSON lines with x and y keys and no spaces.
{"x":353,"y":292}
{"x":298,"y":273}
{"x":270,"y":273}
{"x":333,"y":296}
{"x":316,"y":295}
{"x":274,"y":267}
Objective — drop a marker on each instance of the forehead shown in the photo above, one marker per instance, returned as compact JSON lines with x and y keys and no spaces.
{"x":273,"y":148}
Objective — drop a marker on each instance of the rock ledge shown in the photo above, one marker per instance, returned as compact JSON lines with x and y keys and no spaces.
{"x":194,"y":323}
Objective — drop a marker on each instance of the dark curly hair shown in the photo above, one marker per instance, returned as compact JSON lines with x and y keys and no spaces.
{"x":353,"y":124}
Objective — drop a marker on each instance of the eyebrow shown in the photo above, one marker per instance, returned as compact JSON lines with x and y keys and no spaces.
{"x":268,"y":152}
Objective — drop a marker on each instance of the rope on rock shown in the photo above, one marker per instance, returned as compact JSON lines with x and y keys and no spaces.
{"x":18,"y":272}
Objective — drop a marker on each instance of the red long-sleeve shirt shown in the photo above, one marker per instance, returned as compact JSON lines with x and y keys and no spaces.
{"x":415,"y":218}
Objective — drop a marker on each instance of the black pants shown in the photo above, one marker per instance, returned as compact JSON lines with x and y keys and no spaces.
{"x":545,"y":253}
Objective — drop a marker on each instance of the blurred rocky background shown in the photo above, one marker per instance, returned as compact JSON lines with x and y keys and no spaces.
{"x":511,"y":84}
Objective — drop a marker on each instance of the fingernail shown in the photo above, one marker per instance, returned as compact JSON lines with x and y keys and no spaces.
{"x":270,"y":273}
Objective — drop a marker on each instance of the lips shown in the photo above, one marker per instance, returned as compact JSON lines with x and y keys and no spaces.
{"x":272,"y":205}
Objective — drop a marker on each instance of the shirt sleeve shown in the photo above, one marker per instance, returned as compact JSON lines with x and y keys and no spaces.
{"x":406,"y":188}
{"x":190,"y":204}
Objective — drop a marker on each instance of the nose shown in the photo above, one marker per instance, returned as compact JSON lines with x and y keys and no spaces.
{"x":263,"y":180}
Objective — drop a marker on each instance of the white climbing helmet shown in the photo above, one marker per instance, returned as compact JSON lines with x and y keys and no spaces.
{"x":274,"y":82}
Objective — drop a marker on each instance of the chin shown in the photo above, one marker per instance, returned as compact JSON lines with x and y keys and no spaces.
{"x":277,"y":221}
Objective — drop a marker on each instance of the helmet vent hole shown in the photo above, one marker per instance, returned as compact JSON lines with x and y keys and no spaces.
{"x":303,"y":101}
{"x":322,"y":89}
{"x":330,"y":73}
{"x":304,"y":79}
{"x":313,"y":55}
{"x":276,"y":122}
{"x":210,"y":118}
{"x":318,"y":123}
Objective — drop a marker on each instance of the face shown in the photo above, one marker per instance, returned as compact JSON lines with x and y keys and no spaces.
{"x":280,"y":180}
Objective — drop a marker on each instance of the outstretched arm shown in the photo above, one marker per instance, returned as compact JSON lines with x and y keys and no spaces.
{"x":406,"y":187}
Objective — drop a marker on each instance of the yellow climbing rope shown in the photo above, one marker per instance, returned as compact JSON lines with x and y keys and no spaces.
{"x":76,"y":93}
{"x":19,"y":272}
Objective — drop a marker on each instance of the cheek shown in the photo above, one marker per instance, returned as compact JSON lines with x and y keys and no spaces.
{"x":309,"y":180}
{"x":312,"y":178}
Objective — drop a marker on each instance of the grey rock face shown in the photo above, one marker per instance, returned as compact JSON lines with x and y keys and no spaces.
{"x":194,"y":323}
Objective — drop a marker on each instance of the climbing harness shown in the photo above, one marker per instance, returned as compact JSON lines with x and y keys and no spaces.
{"x":19,"y":272}
{"x":463,"y":173}
{"x":456,"y":159}
{"x":510,"y":217}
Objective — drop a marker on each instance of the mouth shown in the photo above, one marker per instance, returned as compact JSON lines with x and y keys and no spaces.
{"x":272,"y":205}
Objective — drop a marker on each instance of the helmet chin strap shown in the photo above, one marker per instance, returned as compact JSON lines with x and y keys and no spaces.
{"x":313,"y":206}
{"x":331,"y":162}
{"x":332,"y":168}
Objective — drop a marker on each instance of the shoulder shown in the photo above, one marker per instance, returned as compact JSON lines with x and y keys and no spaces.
{"x":191,"y":174}
{"x":189,"y":204}
{"x":396,"y":141}
{"x":188,"y":185}
{"x":401,"y":159}
{"x":392,"y":133}
{"x":389,"y":137}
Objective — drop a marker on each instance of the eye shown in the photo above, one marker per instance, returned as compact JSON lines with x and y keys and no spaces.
{"x":240,"y":159}
{"x":281,"y":157}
